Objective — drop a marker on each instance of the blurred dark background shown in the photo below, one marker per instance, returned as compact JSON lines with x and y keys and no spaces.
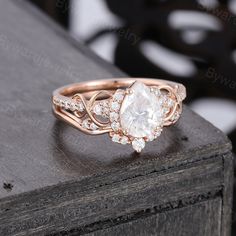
{"x":189,"y":41}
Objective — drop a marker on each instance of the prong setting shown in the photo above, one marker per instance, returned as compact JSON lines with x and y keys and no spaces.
{"x":134,"y":115}
{"x":166,"y":103}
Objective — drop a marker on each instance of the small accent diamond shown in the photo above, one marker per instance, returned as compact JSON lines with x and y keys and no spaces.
{"x":119,"y":96}
{"x":115,"y":126}
{"x":97,"y":109}
{"x":115,"y":106}
{"x":80,"y":106}
{"x":57,"y":102}
{"x":158,"y":133}
{"x":104,"y":103}
{"x":116,"y":138}
{"x":114,"y":116}
{"x":85,"y":124}
{"x":162,"y":100}
{"x":102,"y":109}
{"x":166,"y":110}
{"x":93,"y":126}
{"x":105,"y":108}
{"x":61,"y":103}
{"x":170,"y":102}
{"x":151,"y":137}
{"x":138,"y":144}
{"x":175,"y":117}
{"x":124,"y":140}
{"x":158,"y":92}
{"x":67,"y":105}
{"x":72,"y":107}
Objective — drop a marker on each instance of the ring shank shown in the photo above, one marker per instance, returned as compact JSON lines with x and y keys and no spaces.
{"x":87,"y":88}
{"x":64,"y":101}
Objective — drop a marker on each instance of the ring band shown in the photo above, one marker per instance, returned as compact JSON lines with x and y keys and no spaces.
{"x":132,"y":111}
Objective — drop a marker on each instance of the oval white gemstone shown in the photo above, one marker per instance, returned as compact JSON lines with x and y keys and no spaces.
{"x":141,"y":112}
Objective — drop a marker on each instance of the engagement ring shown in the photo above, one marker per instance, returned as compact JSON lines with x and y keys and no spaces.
{"x":132,"y":111}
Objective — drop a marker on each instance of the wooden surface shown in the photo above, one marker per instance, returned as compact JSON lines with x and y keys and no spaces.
{"x":158,"y":224}
{"x":55,"y":179}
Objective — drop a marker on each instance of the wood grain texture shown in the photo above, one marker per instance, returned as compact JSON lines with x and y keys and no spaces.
{"x":55,"y":180}
{"x":173,"y":222}
{"x":97,"y":204}
{"x":227,"y":194}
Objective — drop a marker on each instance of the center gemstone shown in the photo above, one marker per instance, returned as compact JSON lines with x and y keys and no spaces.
{"x":141,"y":112}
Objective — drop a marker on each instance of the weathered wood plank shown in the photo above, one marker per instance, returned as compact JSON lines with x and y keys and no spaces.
{"x":209,"y":212}
{"x":227,"y":194}
{"x":112,"y":201}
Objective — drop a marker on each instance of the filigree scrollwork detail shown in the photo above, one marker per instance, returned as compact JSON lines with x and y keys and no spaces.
{"x":90,"y":121}
{"x":134,"y":115}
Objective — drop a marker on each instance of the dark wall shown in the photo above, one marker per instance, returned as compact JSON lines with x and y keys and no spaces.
{"x":57,"y":9}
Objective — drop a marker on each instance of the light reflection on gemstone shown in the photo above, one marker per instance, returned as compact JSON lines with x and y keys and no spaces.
{"x":138,"y":144}
{"x":141,"y":112}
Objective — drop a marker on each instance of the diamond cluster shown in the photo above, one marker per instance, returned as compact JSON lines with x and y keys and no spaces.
{"x":69,"y":104}
{"x":101,"y":108}
{"x":89,"y":125}
{"x":117,"y":135}
{"x":115,"y":106}
{"x":138,"y":114}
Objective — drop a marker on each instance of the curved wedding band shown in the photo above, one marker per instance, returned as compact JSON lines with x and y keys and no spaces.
{"x":132,"y":111}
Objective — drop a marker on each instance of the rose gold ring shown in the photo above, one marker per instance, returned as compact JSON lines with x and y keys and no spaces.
{"x":132,"y":111}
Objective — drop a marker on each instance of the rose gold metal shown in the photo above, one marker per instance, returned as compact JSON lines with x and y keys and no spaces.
{"x":89,"y":92}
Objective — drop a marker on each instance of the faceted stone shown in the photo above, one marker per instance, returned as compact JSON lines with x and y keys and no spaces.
{"x":67,"y":105}
{"x":175,"y":117}
{"x":124,"y":140}
{"x":141,"y":111}
{"x":116,"y":138}
{"x":158,"y":92}
{"x":170,"y":103}
{"x":151,"y":137}
{"x":115,"y":106}
{"x":158,"y":133}
{"x":61,"y":103}
{"x":114,"y":116}
{"x":115,"y":126}
{"x":97,"y":109}
{"x":57,"y":102}
{"x":119,"y":96}
{"x":80,"y":106}
{"x":85,"y":124}
{"x":93,"y":126}
{"x":72,"y":107}
{"x":138,"y":144}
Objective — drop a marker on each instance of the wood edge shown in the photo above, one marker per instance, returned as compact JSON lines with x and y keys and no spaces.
{"x":213,"y":190}
{"x":227,"y":201}
{"x":173,"y":205}
{"x":151,"y":167}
